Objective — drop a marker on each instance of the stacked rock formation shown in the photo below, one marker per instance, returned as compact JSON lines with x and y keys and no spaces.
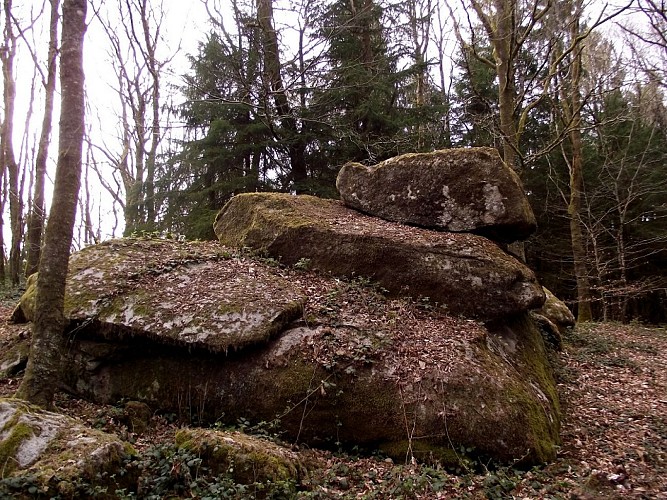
{"x":460,"y":190}
{"x":368,"y":322}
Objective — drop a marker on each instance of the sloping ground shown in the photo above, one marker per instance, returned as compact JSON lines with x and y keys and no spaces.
{"x":613,"y":383}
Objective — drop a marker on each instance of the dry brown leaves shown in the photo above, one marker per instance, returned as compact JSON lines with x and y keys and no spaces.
{"x":613,"y":384}
{"x":614,"y":394}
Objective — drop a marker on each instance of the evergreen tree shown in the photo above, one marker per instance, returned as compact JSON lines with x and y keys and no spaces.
{"x":230,"y":139}
{"x":360,"y":100}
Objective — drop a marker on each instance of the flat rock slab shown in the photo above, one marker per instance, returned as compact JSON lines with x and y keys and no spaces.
{"x":469,"y":190}
{"x":193,"y":294}
{"x":465,"y":273}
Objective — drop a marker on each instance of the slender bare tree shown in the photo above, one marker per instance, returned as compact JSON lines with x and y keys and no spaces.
{"x":140,"y":83}
{"x":42,"y":374}
{"x":38,"y":209}
{"x":7,"y":156}
{"x":571,"y":104}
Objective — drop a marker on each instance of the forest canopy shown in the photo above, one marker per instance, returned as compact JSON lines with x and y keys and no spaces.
{"x":279,"y":95}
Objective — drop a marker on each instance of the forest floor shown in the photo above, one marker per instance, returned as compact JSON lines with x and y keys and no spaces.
{"x":613,"y":386}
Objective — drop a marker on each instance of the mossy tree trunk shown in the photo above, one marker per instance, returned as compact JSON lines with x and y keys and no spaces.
{"x":43,"y":371}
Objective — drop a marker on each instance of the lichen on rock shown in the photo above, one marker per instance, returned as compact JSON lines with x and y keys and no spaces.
{"x":463,"y":189}
{"x":54,"y":449}
{"x":191,"y":295}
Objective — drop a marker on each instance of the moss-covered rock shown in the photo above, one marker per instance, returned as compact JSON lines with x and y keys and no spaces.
{"x":247,"y":459}
{"x":55,"y":451}
{"x":456,"y":384}
{"x":24,"y":309}
{"x":557,"y":312}
{"x":188,"y":294}
{"x":447,"y":268}
{"x":466,"y":189}
{"x":355,"y":368}
{"x":137,"y":416}
{"x":14,"y":352}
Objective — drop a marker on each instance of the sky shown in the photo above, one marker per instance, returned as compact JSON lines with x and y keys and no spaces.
{"x":185,"y":24}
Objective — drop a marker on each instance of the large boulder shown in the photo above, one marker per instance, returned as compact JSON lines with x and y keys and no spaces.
{"x":55,"y":451}
{"x":465,"y":273}
{"x":469,"y":190}
{"x":355,"y":369}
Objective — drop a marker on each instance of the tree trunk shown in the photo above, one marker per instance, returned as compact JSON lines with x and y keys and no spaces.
{"x":272,"y":67}
{"x":502,"y":49}
{"x":8,"y":52}
{"x":38,"y":211}
{"x":3,"y":273}
{"x":42,"y":374}
{"x":584,"y":312}
{"x":154,"y":70}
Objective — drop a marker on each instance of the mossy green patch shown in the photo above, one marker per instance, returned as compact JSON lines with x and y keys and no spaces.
{"x":245,"y":458}
{"x":279,"y":211}
{"x":18,"y":433}
{"x":533,"y":395}
{"x":54,"y":450}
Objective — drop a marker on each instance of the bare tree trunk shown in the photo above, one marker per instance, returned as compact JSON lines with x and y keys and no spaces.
{"x":138,"y":70}
{"x":584,"y":312}
{"x":89,"y":236}
{"x":499,"y":21}
{"x":154,"y":70}
{"x":8,"y":51}
{"x":502,"y":29}
{"x":420,"y":34}
{"x":42,"y":374}
{"x":38,"y":211}
{"x":441,"y":42}
{"x":3,"y":204}
{"x":272,"y":68}
{"x":3,"y":189}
